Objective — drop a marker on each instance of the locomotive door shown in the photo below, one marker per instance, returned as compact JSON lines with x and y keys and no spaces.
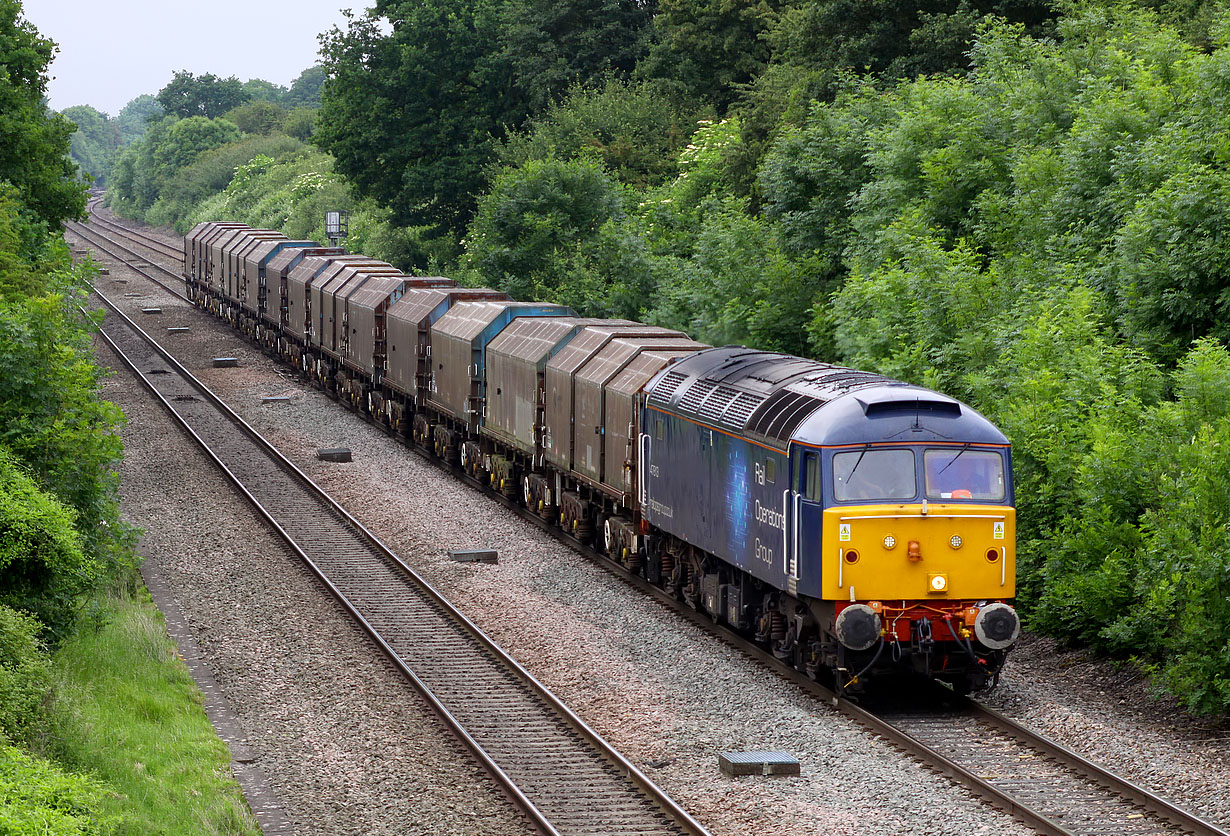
{"x":807,"y":514}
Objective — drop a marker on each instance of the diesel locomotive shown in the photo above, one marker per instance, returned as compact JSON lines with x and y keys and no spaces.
{"x":856,"y":525}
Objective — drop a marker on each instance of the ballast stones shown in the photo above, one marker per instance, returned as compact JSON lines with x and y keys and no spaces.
{"x":474,"y":555}
{"x":333,"y":454}
{"x":758,"y":763}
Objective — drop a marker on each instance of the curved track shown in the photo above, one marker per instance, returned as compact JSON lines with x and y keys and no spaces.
{"x":556,"y":769}
{"x":1046,"y":786}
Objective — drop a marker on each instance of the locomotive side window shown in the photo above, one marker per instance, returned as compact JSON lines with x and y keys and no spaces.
{"x":770,"y":470}
{"x":811,"y":475}
{"x":874,"y":474}
{"x":659,"y":430}
{"x":964,"y":474}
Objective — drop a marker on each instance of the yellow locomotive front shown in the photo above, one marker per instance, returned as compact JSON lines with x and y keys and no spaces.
{"x":918,"y":559}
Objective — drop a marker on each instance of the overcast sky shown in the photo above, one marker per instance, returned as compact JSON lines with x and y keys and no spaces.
{"x":112,"y":51}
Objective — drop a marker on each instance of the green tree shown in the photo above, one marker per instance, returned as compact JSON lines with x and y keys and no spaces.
{"x":710,"y":47}
{"x":634,"y":130}
{"x":133,"y":117}
{"x":95,"y":142}
{"x":206,"y":95}
{"x":544,"y":232}
{"x":305,"y":89}
{"x":893,"y":39}
{"x":186,"y":139}
{"x":53,"y":421}
{"x":410,"y":116}
{"x":259,"y":90}
{"x":43,"y":568}
{"x":258,"y":117}
{"x":34,"y":143}
{"x":549,"y":45}
{"x":300,"y":122}
{"x":737,"y":286}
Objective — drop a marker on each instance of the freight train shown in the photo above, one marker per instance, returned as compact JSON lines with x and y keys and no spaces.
{"x":855,"y":525}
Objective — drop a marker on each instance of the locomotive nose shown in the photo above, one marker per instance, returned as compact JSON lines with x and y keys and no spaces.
{"x":997,"y":626}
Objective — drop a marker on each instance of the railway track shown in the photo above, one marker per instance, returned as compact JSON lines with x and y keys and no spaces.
{"x":565,"y":778}
{"x":137,"y":237}
{"x":1041,"y":782}
{"x":133,"y":259}
{"x":1044,"y":785}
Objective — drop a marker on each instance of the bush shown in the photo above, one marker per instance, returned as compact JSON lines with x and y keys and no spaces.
{"x":633,"y":130}
{"x":40,"y":800}
{"x":53,"y":421}
{"x":42,"y":565}
{"x":538,"y":231}
{"x":25,"y":675}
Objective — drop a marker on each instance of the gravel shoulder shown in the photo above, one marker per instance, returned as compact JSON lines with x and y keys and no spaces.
{"x":666,"y":694}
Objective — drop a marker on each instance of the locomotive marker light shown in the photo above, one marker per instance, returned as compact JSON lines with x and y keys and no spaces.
{"x":955,"y":541}
{"x":890,"y":542}
{"x":937,"y":583}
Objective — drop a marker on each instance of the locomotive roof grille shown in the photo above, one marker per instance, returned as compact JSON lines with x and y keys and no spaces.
{"x":741,"y":409}
{"x":695,"y":395}
{"x":713,"y":408}
{"x":667,"y":386}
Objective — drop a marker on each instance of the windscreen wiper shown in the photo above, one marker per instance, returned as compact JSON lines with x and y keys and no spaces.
{"x":954,"y":458}
{"x":857,"y":462}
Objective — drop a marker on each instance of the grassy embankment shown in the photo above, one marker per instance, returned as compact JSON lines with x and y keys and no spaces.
{"x":127,"y":711}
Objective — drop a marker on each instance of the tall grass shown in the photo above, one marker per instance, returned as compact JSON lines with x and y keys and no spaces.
{"x":127,"y":711}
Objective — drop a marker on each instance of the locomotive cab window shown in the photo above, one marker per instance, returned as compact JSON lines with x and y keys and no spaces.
{"x":963,"y":473}
{"x":770,"y":470}
{"x":874,"y":475}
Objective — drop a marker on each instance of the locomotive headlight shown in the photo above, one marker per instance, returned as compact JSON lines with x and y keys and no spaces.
{"x":955,"y":541}
{"x":889,"y":541}
{"x":937,"y":583}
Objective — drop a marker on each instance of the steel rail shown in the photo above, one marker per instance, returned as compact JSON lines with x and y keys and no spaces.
{"x":93,"y":237}
{"x":136,"y":236}
{"x":680,"y":818}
